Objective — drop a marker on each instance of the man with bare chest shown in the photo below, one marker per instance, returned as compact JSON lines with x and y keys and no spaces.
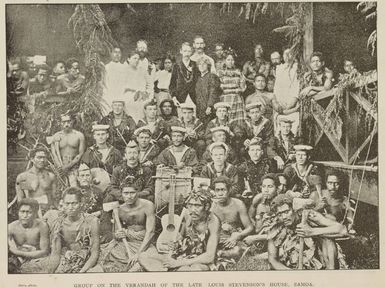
{"x":75,"y":237}
{"x":28,"y":240}
{"x":37,"y":182}
{"x":236,"y":224}
{"x":67,"y":148}
{"x":137,"y":217}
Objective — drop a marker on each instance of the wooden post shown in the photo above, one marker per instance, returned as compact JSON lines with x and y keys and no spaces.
{"x":308,"y":43}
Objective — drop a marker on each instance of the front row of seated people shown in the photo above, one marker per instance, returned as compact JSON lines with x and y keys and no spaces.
{"x":216,"y":230}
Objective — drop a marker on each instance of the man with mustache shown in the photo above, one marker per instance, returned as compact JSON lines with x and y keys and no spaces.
{"x":38,"y":183}
{"x":102,"y":154}
{"x":197,"y":242}
{"x":28,"y":240}
{"x":137,"y":217}
{"x":320,"y":250}
{"x":75,"y":237}
{"x":236,"y":224}
{"x":69,"y":146}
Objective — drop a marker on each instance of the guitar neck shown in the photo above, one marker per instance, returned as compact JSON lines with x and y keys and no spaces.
{"x":171,"y":201}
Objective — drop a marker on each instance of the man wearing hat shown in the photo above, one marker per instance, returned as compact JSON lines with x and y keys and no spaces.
{"x":122,"y":126}
{"x":220,"y":167}
{"x":283,"y":144}
{"x":178,"y":155}
{"x":148,"y":151}
{"x":68,"y":146}
{"x":194,"y":129}
{"x":222,"y":112}
{"x":259,"y":126}
{"x":220,"y":134}
{"x":304,"y":176}
{"x":102,"y":154}
{"x":252,"y":171}
{"x":160,"y":131}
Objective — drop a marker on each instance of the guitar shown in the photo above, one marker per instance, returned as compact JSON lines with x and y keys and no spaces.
{"x":171,"y":222}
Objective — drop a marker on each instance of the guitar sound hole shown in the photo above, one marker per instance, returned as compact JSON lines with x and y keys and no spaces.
{"x":170,"y":228}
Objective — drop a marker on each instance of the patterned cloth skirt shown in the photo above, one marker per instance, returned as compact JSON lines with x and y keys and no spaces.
{"x":237,"y":112}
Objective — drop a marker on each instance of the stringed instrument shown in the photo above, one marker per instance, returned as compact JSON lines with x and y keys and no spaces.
{"x":171,"y":222}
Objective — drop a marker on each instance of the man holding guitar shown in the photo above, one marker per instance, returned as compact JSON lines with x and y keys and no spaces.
{"x":196,"y":247}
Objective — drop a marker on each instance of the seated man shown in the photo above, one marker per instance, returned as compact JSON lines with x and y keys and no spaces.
{"x":259,"y":126}
{"x":333,"y":201}
{"x":160,"y":131}
{"x":72,"y":82}
{"x":40,"y":83}
{"x":28,"y":240}
{"x":235,"y":221}
{"x":102,"y":154}
{"x":220,"y":134}
{"x":261,"y":204}
{"x":38,"y":183}
{"x":304,"y":177}
{"x":194,"y":129}
{"x":137,"y":218}
{"x":250,"y":173}
{"x":75,"y":238}
{"x":147,"y":151}
{"x":282,"y":188}
{"x":319,"y":78}
{"x":196,"y":248}
{"x":168,"y":113}
{"x":178,"y":155}
{"x":283,"y":144}
{"x":92,"y":196}
{"x":220,"y":167}
{"x":320,"y":250}
{"x":222,"y":119}
{"x":122,"y":126}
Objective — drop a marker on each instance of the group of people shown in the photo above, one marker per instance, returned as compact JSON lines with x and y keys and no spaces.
{"x":234,"y":130}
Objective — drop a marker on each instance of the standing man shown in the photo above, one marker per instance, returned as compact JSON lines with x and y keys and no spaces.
{"x":184,"y":76}
{"x":254,"y":67}
{"x":38,"y":183}
{"x":199,"y":52}
{"x":319,"y":78}
{"x":178,"y":155}
{"x":196,"y":247}
{"x":75,"y":238}
{"x":102,"y":154}
{"x":219,"y":57}
{"x":275,"y":59}
{"x":144,"y":63}
{"x":236,"y":224}
{"x":137,"y":217}
{"x":71,"y":83}
{"x":113,"y":79}
{"x":28,"y":240}
{"x":122,"y":126}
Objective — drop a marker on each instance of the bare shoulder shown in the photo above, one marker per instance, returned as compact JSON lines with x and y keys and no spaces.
{"x":12,"y":226}
{"x":238,"y":203}
{"x":42,"y":225}
{"x":79,"y":134}
{"x":22,"y":176}
{"x":148,"y":205}
{"x":214,"y":222}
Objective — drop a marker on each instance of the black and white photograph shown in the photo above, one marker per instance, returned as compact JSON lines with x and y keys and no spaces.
{"x":191,"y":137}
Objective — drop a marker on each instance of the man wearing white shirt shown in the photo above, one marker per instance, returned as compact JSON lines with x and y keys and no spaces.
{"x":113,"y":79}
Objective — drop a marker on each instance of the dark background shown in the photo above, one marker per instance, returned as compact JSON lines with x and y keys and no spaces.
{"x":339,"y":30}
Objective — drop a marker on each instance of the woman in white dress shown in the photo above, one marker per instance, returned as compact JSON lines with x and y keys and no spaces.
{"x":138,"y":87}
